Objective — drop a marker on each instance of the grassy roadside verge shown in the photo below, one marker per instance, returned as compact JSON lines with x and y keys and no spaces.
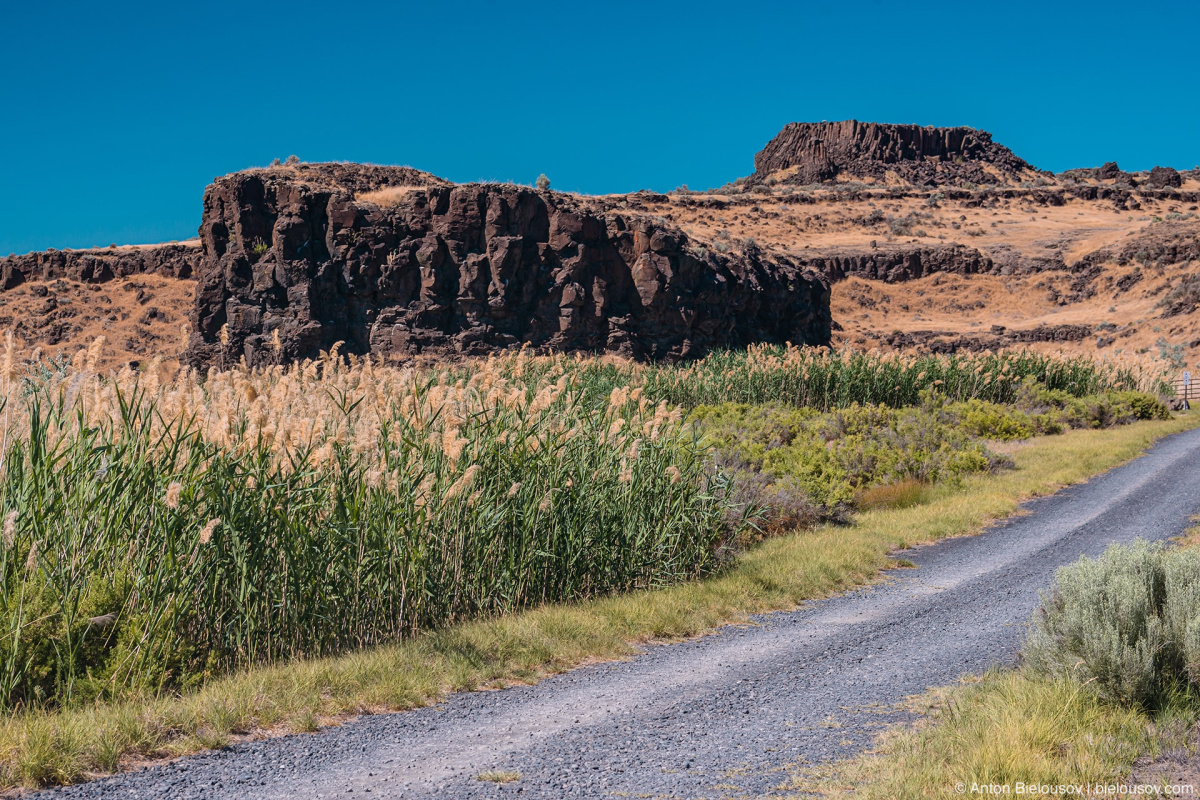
{"x":69,"y":745}
{"x":988,"y":734}
{"x":1000,"y":730}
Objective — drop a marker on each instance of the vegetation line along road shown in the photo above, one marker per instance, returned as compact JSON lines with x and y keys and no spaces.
{"x":778,"y":574}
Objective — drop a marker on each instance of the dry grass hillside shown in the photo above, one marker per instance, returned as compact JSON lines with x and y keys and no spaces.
{"x":1130,"y":275}
{"x":1068,"y":262}
{"x":140,"y":317}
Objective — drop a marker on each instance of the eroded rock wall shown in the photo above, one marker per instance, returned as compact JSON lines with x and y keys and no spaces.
{"x":100,"y":265}
{"x":292,"y":266}
{"x":813,"y":152}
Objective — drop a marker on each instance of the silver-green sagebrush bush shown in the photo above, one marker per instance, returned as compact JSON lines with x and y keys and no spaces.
{"x":1126,"y":624}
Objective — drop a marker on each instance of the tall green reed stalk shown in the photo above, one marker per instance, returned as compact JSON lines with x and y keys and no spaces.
{"x":825,"y":380}
{"x":139,"y":554}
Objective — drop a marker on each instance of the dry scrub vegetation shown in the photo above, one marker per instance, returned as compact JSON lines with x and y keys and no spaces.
{"x":190,"y":557}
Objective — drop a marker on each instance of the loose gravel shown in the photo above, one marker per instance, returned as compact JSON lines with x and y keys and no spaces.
{"x":724,"y":714}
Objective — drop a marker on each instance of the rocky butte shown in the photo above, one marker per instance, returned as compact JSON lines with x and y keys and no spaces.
{"x":393,"y":261}
{"x":812,"y":152}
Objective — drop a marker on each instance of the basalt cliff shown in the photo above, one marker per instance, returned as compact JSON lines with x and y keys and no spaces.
{"x":296,"y":261}
{"x":813,"y":152}
{"x":867,"y":234}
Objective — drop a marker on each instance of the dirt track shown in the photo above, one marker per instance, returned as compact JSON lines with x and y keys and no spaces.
{"x":722,"y":715}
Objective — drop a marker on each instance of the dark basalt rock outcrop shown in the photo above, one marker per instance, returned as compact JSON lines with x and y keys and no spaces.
{"x":906,"y":264}
{"x":1162,"y":177}
{"x":813,"y":152}
{"x":1166,"y":242}
{"x":998,"y":337}
{"x":100,"y":265}
{"x":294,"y":263}
{"x":356,"y":178}
{"x":1109,"y":171}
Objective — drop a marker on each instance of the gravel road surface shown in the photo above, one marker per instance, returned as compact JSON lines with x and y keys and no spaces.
{"x":725,"y":714}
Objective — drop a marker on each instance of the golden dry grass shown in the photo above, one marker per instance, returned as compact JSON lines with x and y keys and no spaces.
{"x":140,"y":317}
{"x":389,"y":196}
{"x":996,"y":731}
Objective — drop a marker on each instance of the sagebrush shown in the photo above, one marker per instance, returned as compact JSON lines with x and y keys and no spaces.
{"x":1126,"y":625}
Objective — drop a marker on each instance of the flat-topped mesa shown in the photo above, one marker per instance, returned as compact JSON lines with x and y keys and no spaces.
{"x":294,"y":262}
{"x":813,"y":152}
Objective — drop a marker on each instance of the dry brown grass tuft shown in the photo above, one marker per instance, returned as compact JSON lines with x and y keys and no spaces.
{"x":389,"y":196}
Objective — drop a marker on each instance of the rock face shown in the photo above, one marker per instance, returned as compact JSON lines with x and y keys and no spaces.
{"x":813,"y":152}
{"x":293,"y":262}
{"x":1162,"y":177}
{"x":1166,"y":242}
{"x":905,"y":264}
{"x":999,"y":337}
{"x":100,"y":265}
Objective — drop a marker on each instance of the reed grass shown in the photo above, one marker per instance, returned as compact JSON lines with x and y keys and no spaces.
{"x":159,"y":532}
{"x":47,"y":746}
{"x":825,"y":379}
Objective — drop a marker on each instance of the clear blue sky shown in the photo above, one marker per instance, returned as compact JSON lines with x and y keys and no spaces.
{"x":114,"y":116}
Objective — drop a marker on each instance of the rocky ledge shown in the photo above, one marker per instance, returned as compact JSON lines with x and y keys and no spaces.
{"x":296,"y":260}
{"x":100,"y":265}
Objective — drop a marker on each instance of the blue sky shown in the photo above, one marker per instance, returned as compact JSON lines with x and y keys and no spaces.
{"x":114,"y":116}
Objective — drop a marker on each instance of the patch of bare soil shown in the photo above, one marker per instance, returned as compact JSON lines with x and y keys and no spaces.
{"x":1179,"y":766}
{"x":141,"y":317}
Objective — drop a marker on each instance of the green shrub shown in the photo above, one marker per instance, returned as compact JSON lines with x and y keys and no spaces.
{"x":992,"y":421}
{"x":1127,"y":624}
{"x":834,"y":457}
{"x":1143,"y":405}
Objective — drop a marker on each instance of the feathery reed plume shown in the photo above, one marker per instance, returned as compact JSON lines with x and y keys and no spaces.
{"x":172,"y":497}
{"x":463,"y":483}
{"x":10,"y":529}
{"x":207,"y":533}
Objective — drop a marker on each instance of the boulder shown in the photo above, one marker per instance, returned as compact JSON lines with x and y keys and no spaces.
{"x":1162,"y":177}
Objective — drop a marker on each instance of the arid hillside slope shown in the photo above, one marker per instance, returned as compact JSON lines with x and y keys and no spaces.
{"x":931,"y":238}
{"x":944,"y":270}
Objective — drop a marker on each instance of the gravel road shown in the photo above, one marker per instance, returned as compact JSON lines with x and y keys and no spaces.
{"x":725,"y":714}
